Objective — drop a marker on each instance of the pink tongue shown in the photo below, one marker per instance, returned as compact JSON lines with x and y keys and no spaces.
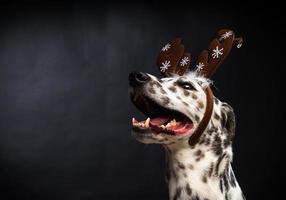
{"x":181,"y":127}
{"x":158,"y":121}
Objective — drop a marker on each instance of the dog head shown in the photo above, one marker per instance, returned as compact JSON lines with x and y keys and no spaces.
{"x":176,"y":106}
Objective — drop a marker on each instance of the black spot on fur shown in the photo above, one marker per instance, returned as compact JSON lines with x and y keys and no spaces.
{"x":223,"y":120}
{"x":230,"y":123}
{"x":151,"y":90}
{"x":211,"y":169}
{"x":204,"y":178}
{"x":198,"y":152}
{"x":191,"y":167}
{"x":200,"y":157}
{"x":188,"y":189}
{"x":200,"y":104}
{"x":207,"y":141}
{"x":197,"y":118}
{"x":212,"y":130}
{"x":165,"y":100}
{"x":162,"y":91}
{"x":228,"y":118}
{"x":216,"y":101}
{"x":157,"y":84}
{"x":178,"y":97}
{"x":216,"y":145}
{"x":202,"y":139}
{"x":196,"y":198}
{"x":218,"y":163}
{"x":173,"y":89}
{"x":185,"y":103}
{"x":178,"y":193}
{"x":228,"y":140}
{"x":225,"y":180}
{"x":221,"y":185}
{"x":216,"y":116}
{"x":181,"y":165}
{"x":194,"y":96}
{"x":186,"y":93}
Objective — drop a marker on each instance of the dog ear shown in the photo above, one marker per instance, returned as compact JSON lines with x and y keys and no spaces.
{"x":228,"y":118}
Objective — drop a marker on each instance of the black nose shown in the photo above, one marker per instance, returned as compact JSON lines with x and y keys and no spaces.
{"x":138,"y":78}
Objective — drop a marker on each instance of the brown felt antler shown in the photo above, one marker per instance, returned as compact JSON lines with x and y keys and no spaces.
{"x":209,"y":60}
{"x":173,"y":59}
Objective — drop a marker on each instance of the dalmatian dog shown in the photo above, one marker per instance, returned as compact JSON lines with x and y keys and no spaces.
{"x":197,"y":168}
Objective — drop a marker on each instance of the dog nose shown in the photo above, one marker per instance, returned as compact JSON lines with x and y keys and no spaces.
{"x":138,"y":78}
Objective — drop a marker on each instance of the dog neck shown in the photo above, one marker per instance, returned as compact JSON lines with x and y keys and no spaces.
{"x":198,"y":173}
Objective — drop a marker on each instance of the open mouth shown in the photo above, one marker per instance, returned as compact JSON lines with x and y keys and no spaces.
{"x":160,"y":120}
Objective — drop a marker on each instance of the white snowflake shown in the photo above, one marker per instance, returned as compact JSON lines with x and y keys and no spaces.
{"x":165,"y":66}
{"x":184,"y":61}
{"x":217,"y":52}
{"x":200,"y":66}
{"x":166,"y":47}
{"x":226,"y":35}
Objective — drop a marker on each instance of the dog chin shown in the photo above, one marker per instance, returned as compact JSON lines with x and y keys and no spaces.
{"x":158,"y":138}
{"x":145,"y":138}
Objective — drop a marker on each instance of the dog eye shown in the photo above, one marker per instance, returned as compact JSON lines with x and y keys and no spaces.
{"x":187,"y":86}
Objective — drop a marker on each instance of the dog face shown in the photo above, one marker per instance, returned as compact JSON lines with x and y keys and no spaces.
{"x":174,"y":106}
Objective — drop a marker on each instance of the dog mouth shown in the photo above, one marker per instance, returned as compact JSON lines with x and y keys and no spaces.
{"x":160,"y":120}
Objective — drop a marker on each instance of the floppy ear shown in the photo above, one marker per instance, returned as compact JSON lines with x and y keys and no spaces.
{"x":228,"y":119}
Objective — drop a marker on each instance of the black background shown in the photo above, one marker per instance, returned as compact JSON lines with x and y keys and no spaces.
{"x":65,"y":112}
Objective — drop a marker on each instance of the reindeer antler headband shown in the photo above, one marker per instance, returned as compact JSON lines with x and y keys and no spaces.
{"x":174,"y":60}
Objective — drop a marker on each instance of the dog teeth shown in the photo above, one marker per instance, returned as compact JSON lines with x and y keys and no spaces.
{"x":162,"y":126}
{"x":173,"y":122}
{"x":147,"y":122}
{"x":143,"y":124}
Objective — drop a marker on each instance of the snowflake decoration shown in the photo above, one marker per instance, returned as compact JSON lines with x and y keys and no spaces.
{"x":184,"y":61}
{"x":200,"y":66}
{"x":217,"y":52}
{"x":165,"y":66}
{"x":226,"y":35}
{"x":166,"y":47}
